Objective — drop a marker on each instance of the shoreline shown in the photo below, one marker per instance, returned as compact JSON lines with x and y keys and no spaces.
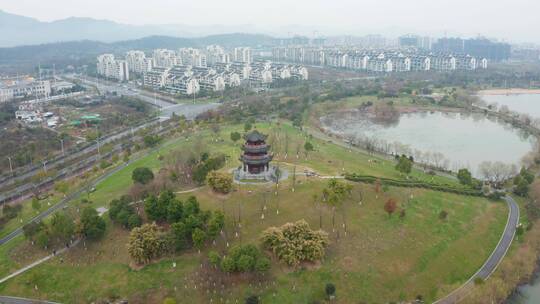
{"x":514,"y":91}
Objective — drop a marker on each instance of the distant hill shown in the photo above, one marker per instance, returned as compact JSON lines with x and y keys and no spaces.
{"x":17,"y":30}
{"x":76,"y":51}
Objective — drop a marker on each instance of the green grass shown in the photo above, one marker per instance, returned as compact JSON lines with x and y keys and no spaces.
{"x":379,"y":259}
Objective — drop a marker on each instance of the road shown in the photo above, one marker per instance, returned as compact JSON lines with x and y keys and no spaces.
{"x":494,"y":259}
{"x":167,"y":109}
{"x":63,"y":202}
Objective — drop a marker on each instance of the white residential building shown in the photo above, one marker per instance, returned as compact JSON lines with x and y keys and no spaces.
{"x":193,"y":57}
{"x":243,"y":54}
{"x":19,"y":88}
{"x":109,"y":67}
{"x":156,"y":78}
{"x":138,"y":63}
{"x":163,"y":58}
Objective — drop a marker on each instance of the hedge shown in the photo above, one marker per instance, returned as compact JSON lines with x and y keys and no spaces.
{"x":412,"y":184}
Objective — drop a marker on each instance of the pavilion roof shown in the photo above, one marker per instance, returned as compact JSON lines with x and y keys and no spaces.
{"x":254,"y":136}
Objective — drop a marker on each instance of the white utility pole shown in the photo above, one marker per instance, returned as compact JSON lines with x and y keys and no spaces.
{"x":62,"y":143}
{"x":10,"y":165}
{"x":97,"y":138}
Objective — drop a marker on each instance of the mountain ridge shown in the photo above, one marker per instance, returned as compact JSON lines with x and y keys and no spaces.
{"x":71,"y":52}
{"x":17,"y":30}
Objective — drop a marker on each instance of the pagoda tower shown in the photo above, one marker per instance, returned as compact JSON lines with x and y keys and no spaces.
{"x":255,"y":158}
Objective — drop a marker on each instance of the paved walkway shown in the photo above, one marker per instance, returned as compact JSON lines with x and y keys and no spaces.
{"x":494,"y":259}
{"x":43,"y":260}
{"x":16,"y":300}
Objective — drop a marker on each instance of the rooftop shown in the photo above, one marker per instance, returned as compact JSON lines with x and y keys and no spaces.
{"x":255,"y":136}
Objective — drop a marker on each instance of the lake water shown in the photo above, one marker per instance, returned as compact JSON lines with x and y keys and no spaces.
{"x":522,"y":103}
{"x":530,"y":104}
{"x":528,"y":294}
{"x":465,"y":140}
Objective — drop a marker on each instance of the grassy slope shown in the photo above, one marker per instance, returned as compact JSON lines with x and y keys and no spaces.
{"x":380,"y":258}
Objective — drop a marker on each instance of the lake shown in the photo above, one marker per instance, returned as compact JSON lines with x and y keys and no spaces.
{"x":522,"y":103}
{"x":527,"y":294}
{"x":465,"y":140}
{"x":530,"y":104}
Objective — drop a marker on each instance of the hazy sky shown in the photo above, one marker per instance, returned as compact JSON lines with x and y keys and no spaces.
{"x":515,"y":20}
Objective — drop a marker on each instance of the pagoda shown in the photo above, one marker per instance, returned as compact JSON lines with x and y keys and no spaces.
{"x":255,"y":158}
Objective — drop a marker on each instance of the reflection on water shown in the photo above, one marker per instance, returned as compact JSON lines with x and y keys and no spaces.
{"x":465,"y":140}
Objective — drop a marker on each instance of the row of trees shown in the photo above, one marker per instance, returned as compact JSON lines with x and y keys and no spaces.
{"x":189,"y":226}
{"x":63,"y":227}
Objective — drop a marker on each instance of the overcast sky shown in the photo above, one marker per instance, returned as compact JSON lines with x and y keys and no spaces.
{"x":515,"y":20}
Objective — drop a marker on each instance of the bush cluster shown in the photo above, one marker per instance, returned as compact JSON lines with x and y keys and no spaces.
{"x":123,"y":213}
{"x":241,"y":258}
{"x":294,"y":243}
{"x":206,"y":165}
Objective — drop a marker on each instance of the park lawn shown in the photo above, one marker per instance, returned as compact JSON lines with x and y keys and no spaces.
{"x":27,"y":212}
{"x":380,"y":258}
{"x":7,"y":263}
{"x":327,"y":159}
{"x":101,"y":270}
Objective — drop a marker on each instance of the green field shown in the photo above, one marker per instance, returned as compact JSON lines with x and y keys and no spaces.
{"x":372,"y":258}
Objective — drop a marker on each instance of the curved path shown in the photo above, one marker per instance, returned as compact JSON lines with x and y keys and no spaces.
{"x":494,"y":259}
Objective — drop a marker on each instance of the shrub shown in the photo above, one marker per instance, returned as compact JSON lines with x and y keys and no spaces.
{"x":123,"y":213}
{"x":214,"y":258}
{"x":443,"y":215}
{"x":30,"y":230}
{"x":169,"y":301}
{"x":92,"y":225}
{"x":330,"y":290}
{"x":404,"y":164}
{"x":142,"y":175}
{"x":478,"y":281}
{"x":252,"y":300}
{"x":244,"y":258}
{"x":464,"y":176}
{"x":294,"y":243}
{"x":220,"y":182}
{"x":206,"y":165}
{"x":390,"y":206}
{"x":235,"y":136}
{"x":145,"y":243}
